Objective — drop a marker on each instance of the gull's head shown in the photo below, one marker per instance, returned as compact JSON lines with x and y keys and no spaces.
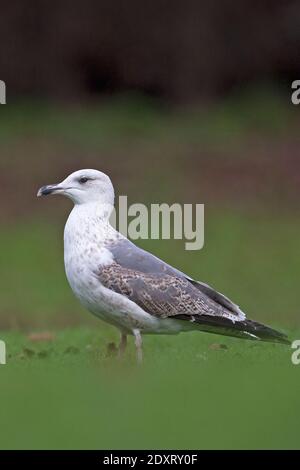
{"x":83,"y":187}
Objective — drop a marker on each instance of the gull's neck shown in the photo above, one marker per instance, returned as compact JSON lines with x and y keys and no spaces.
{"x":93,"y":210}
{"x":90,"y":222}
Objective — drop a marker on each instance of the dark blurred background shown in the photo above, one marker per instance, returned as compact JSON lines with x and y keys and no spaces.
{"x":176,"y":101}
{"x":166,"y":49}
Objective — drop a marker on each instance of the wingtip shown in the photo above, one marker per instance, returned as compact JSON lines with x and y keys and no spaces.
{"x":285,"y":340}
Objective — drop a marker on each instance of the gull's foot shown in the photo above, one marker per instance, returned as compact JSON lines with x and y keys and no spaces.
{"x":122,"y":345}
{"x":138,"y":345}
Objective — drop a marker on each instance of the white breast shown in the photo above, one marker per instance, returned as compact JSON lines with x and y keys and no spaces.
{"x":84,"y":254}
{"x":84,"y":251}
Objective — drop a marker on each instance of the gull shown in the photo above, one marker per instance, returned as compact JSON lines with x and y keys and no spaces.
{"x":131,"y":288}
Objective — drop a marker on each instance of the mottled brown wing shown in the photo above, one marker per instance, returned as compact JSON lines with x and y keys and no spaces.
{"x":161,"y":295}
{"x":165,"y":292}
{"x":133,"y":259}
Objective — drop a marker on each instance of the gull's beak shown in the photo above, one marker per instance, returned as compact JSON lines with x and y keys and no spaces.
{"x":50,"y":189}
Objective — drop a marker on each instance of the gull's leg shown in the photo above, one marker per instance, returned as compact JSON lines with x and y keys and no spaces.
{"x":122,"y":344}
{"x":138,"y":345}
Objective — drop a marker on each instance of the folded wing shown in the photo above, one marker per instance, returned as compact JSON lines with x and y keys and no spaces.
{"x":160,"y":289}
{"x":165,"y":292}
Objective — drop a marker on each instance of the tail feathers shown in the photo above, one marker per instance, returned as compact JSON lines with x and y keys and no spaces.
{"x":265,"y":333}
{"x":246,"y":329}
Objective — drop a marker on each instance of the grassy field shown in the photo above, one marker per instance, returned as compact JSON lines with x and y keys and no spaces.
{"x":194,"y":390}
{"x":69,"y":393}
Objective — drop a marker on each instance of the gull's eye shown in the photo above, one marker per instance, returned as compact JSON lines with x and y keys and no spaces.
{"x":83,"y":180}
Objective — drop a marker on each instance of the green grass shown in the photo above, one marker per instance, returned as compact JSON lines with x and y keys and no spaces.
{"x":68,"y":394}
